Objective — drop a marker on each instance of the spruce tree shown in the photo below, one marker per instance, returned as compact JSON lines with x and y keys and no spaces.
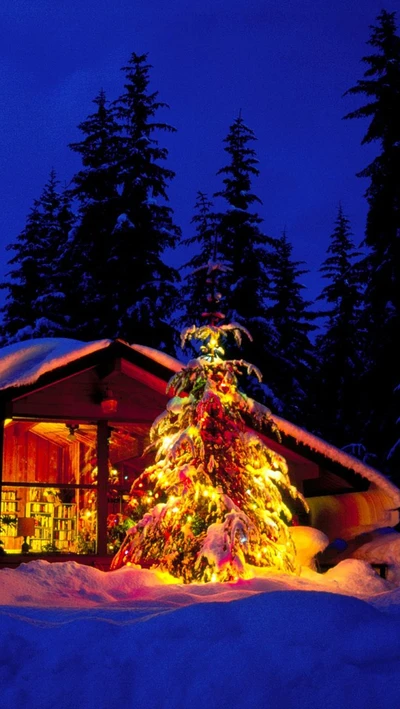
{"x":261,"y":290}
{"x":381,"y":86}
{"x":248,"y":251}
{"x":293,"y":323}
{"x":217,"y":499}
{"x":339,"y":390}
{"x":125,"y":223}
{"x":145,"y":284}
{"x":242,"y":243}
{"x":195,"y":302}
{"x":90,"y":244}
{"x":36,"y":300}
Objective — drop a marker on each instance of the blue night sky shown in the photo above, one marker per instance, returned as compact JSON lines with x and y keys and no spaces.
{"x":284,"y":63}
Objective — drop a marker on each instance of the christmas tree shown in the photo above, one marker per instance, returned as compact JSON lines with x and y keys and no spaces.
{"x":215,"y":500}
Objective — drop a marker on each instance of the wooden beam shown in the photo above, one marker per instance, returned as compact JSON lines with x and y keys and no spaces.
{"x":1,"y":453}
{"x":102,"y":483}
{"x":145,"y":378}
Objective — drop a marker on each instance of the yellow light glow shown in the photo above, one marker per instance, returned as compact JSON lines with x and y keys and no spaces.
{"x":166,"y":441}
{"x":214,"y":578}
{"x":7,"y":422}
{"x":175,"y":509}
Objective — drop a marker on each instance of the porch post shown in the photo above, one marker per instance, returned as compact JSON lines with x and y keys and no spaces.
{"x":102,"y":483}
{"x":1,"y":450}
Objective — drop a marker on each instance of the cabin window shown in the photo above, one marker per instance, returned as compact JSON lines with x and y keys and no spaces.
{"x":65,"y":485}
{"x":49,"y":487}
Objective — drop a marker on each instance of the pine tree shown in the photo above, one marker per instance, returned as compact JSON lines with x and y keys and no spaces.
{"x":248,"y":252}
{"x":146,"y":286}
{"x":214,"y":498}
{"x":125,"y":224}
{"x":242,"y":243}
{"x":340,"y":348}
{"x":381,"y":86}
{"x":195,"y":302}
{"x":36,"y":300}
{"x":90,"y":244}
{"x":262,"y":283}
{"x":293,"y":323}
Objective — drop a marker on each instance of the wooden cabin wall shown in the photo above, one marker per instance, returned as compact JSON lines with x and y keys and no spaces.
{"x":79,"y":396}
{"x":351,"y":514}
{"x":31,"y":458}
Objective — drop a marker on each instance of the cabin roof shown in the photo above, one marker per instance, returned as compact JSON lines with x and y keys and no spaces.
{"x":31,"y":363}
{"x":327,"y":454}
{"x":28,"y":363}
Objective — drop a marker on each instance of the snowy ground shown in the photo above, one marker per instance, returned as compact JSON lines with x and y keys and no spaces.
{"x":73,"y":636}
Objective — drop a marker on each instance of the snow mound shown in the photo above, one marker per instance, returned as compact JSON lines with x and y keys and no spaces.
{"x":73,"y":636}
{"x":69,"y":584}
{"x":308,"y":542}
{"x":271,"y":650}
{"x":384,"y":545}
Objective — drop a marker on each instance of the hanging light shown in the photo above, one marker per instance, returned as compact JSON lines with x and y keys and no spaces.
{"x":109,"y":403}
{"x":72,"y":428}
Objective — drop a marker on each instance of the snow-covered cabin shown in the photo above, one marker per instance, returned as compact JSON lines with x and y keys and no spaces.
{"x":75,"y":419}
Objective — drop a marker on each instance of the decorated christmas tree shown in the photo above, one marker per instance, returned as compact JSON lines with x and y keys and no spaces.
{"x":215,"y":500}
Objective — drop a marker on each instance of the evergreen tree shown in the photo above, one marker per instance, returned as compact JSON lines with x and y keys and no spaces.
{"x":340,"y":348}
{"x":242,"y":243}
{"x":262,"y":291}
{"x":293,"y":322}
{"x":36,"y":300}
{"x":215,"y":499}
{"x":93,"y":302}
{"x":146,"y":286}
{"x":195,"y":302}
{"x":125,"y":224}
{"x":381,"y":86}
{"x":248,"y":252}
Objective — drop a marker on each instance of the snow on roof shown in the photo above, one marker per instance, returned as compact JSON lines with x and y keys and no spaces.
{"x":22,"y":363}
{"x":338,"y":456}
{"x":159,"y":357}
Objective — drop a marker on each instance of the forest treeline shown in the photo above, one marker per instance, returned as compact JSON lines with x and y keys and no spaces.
{"x":90,"y":262}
